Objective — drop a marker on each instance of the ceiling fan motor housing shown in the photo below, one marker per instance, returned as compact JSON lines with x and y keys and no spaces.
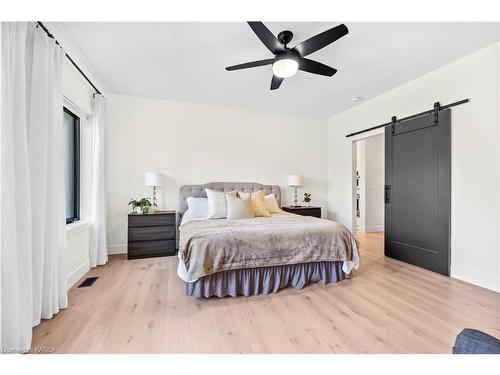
{"x":285,"y":37}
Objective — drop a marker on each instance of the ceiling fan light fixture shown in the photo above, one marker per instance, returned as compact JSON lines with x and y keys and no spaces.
{"x":285,"y":68}
{"x":287,"y":60}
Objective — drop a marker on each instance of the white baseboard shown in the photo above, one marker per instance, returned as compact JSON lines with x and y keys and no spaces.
{"x":481,"y":279}
{"x":117,"y":249}
{"x":76,"y":274}
{"x":376,"y":228}
{"x":371,"y":228}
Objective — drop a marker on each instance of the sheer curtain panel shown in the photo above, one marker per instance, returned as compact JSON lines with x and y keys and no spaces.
{"x":98,"y":241}
{"x":33,"y":235}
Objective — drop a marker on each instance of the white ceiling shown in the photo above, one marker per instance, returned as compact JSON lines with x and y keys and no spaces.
{"x":185,"y":61}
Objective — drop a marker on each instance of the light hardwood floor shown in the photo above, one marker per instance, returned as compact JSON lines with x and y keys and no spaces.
{"x":388,"y":306}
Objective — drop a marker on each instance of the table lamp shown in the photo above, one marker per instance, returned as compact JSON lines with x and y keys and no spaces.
{"x":295,"y":180}
{"x":153,"y":179}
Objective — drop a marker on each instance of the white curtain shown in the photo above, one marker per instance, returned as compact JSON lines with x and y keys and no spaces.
{"x":33,"y":236}
{"x":98,"y":241}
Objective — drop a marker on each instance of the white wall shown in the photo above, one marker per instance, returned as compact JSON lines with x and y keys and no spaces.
{"x":475,"y":156}
{"x":77,"y":256}
{"x":194,"y":144}
{"x":76,"y":89}
{"x":370,"y":166}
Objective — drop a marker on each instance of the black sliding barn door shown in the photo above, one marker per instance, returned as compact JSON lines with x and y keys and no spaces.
{"x":418,"y":191}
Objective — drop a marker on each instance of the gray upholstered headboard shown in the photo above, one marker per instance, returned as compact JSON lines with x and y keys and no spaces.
{"x":198,"y":191}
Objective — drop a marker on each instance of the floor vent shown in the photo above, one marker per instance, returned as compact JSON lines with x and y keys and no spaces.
{"x":87,"y":282}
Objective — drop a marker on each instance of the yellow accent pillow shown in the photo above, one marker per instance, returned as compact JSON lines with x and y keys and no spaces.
{"x":259,"y":206}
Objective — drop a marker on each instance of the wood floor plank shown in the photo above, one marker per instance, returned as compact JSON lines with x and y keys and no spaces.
{"x":387,"y":306}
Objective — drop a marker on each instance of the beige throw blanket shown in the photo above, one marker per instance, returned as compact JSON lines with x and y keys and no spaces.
{"x":210,"y":246}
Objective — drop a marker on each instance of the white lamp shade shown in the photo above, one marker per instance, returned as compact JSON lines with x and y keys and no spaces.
{"x":295,"y":180}
{"x":152,"y":179}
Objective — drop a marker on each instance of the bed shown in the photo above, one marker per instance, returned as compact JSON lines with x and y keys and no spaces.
{"x":221,"y":257}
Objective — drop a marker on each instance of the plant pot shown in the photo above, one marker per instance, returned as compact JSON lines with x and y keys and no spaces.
{"x":308,"y":204}
{"x":138,"y":210}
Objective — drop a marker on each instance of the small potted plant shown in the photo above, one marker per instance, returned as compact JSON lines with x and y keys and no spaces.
{"x":307,"y":199}
{"x":140,"y":206}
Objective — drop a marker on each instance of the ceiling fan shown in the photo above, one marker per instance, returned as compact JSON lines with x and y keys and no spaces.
{"x":286,"y":60}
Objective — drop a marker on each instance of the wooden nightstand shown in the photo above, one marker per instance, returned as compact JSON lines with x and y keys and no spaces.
{"x":152,"y":234}
{"x":304,"y":211}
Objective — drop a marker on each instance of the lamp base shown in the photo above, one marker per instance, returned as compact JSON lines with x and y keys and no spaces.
{"x":295,"y":200}
{"x":154,"y":207}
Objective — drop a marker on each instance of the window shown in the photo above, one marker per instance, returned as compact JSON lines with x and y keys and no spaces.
{"x":71,"y":125}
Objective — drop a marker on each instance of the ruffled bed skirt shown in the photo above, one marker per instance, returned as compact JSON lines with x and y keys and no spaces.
{"x":265,"y":280}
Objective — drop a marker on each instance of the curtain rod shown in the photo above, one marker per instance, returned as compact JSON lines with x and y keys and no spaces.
{"x":49,"y":34}
{"x":439,"y":107}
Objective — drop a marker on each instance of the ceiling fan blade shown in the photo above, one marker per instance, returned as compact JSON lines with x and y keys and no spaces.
{"x":315,"y":67}
{"x":252,"y":64}
{"x":276,"y":82}
{"x":266,"y":37}
{"x":321,"y":40}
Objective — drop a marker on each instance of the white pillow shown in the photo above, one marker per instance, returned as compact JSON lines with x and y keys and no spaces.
{"x":272,"y":204}
{"x":187,"y":217}
{"x":197,"y":207}
{"x":217,"y":208}
{"x":238,"y":208}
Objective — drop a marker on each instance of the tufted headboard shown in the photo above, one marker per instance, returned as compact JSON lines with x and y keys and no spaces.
{"x":198,"y":191}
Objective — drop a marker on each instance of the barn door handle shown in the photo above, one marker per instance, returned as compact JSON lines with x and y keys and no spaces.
{"x":387,"y":193}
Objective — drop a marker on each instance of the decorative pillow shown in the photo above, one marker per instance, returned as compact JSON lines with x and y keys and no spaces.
{"x":217,"y":208}
{"x":258,"y":202}
{"x":239,"y":208}
{"x":197,"y":207}
{"x":272,"y":204}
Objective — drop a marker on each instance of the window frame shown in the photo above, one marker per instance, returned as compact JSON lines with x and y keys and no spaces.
{"x":76,"y":167}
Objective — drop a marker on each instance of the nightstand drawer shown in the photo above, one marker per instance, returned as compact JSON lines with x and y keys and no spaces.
{"x":151,"y":233}
{"x":149,"y":220}
{"x":304,"y":211}
{"x":151,"y":248}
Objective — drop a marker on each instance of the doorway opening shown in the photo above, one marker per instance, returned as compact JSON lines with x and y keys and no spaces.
{"x":369,"y":176}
